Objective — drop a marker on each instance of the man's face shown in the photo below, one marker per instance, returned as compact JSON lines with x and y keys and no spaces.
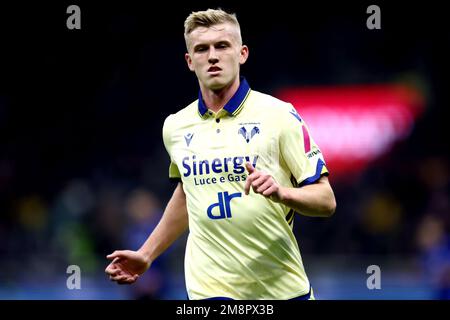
{"x":215,"y":54}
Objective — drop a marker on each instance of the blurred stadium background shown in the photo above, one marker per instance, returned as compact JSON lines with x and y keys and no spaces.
{"x":83,"y":170}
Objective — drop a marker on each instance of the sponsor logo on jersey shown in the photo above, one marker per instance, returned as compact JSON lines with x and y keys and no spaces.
{"x":236,"y":165}
{"x":222,"y":208}
{"x":248,"y":134}
{"x":188,"y":138}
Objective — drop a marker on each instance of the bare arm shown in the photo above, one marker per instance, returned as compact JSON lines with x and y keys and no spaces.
{"x":314,"y":200}
{"x":173,"y":224}
{"x":128,"y":265}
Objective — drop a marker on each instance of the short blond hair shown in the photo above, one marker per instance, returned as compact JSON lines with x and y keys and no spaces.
{"x":209,"y":18}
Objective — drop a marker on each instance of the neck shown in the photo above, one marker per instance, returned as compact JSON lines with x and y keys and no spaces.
{"x":216,"y":99}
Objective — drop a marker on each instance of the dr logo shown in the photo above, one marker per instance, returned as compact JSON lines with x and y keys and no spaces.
{"x":223,"y":204}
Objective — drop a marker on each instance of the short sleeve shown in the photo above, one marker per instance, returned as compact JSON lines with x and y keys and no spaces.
{"x":298,"y":149}
{"x":174,"y":173}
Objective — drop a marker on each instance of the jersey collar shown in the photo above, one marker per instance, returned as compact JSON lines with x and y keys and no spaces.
{"x":234,"y":105}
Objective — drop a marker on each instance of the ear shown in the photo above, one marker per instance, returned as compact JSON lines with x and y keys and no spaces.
{"x":243,"y":54}
{"x":188,"y":59}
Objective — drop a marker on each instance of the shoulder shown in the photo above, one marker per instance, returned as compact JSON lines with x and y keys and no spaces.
{"x":266,"y":98}
{"x":181,"y":116}
{"x":271,"y":105}
{"x":178,"y":120}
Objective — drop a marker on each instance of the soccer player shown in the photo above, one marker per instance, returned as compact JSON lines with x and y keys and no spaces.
{"x":245,"y":163}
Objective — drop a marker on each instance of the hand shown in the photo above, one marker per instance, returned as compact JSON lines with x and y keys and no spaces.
{"x":126,"y":266}
{"x":262,"y":183}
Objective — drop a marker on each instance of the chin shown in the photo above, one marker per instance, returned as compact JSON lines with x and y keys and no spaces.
{"x":216,"y":84}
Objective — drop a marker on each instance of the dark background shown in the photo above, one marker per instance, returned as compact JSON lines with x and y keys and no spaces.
{"x":81,"y":114}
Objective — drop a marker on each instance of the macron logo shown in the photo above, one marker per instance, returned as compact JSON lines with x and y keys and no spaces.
{"x":188,"y":138}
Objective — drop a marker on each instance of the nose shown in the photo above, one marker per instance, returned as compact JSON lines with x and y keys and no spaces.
{"x":213,"y":58}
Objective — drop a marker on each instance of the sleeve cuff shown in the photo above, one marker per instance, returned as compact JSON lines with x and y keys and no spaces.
{"x":319,"y":168}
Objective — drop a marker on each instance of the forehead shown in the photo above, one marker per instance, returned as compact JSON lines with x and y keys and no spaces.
{"x":218,"y":32}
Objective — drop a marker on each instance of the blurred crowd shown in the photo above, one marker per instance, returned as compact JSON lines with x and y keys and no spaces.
{"x":396,"y":208}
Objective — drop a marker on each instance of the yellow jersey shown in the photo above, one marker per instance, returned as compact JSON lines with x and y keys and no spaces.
{"x":241,"y":246}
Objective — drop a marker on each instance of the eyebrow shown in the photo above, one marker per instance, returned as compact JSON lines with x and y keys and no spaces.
{"x":199,"y":45}
{"x":223,"y":42}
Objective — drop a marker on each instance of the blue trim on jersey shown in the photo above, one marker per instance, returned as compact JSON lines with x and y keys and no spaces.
{"x":202,"y":109}
{"x":218,"y":298}
{"x":316,"y":176}
{"x":303,"y":297}
{"x":235,"y":101}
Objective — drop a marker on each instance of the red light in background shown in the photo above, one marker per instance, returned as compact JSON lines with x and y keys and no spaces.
{"x":354,"y":125}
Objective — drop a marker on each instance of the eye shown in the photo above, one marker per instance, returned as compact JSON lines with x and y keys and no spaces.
{"x":221,"y":45}
{"x":200,"y":49}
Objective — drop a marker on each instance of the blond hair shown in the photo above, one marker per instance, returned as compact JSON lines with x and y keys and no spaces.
{"x":207,"y":19}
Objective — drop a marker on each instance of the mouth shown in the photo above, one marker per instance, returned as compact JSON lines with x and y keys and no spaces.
{"x":214,"y":70}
